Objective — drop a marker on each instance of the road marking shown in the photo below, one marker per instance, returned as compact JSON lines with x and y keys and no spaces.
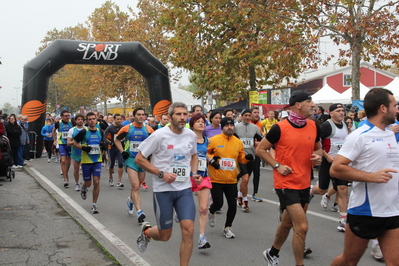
{"x":308,"y":212}
{"x":119,"y":244}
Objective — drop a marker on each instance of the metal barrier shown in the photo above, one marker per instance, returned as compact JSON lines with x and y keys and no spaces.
{"x":33,"y":143}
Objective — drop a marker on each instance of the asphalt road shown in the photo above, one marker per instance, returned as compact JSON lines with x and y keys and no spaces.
{"x":254,"y":230}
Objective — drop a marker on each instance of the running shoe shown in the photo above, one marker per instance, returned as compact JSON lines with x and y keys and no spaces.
{"x":111,"y":182}
{"x":49,"y":160}
{"x":177,"y":220}
{"x":256,"y":198}
{"x":341,"y":226}
{"x":83,"y":192}
{"x":77,"y":187}
{"x":239,"y":201}
{"x":311,"y":193}
{"x":142,"y":240}
{"x":120,"y":184}
{"x":306,"y":251}
{"x":228,"y":233}
{"x":130,"y":206}
{"x":203,"y":244}
{"x":140,"y":216}
{"x":245,"y":206}
{"x":66,"y":184}
{"x":56,"y":160}
{"x":144,"y":185}
{"x":94,"y":209}
{"x":211,"y":219}
{"x":335,"y":208}
{"x":376,"y":252}
{"x":14,"y":167}
{"x":324,"y":201}
{"x":271,"y":260}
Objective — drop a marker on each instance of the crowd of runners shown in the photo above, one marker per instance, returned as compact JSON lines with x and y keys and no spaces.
{"x":213,"y":155}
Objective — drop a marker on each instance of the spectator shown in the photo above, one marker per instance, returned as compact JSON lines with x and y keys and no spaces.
{"x":13,"y":134}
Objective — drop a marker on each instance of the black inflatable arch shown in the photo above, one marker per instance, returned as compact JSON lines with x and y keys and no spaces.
{"x":38,"y":71}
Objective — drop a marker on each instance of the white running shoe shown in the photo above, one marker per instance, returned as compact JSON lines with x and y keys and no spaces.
{"x":335,"y":208}
{"x":130,"y":206}
{"x":271,"y":260}
{"x":49,"y":160}
{"x":94,"y":209}
{"x":341,"y":226}
{"x":77,"y":187}
{"x":211,"y":219}
{"x":324,"y":201}
{"x":228,"y":232}
{"x":376,"y":252}
{"x":142,"y":240}
{"x":203,"y":243}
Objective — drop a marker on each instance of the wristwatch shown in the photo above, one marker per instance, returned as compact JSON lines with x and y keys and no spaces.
{"x":277,"y":165}
{"x":160,"y":174}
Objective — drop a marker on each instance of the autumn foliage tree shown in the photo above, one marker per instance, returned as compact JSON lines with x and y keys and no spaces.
{"x":369,"y":28}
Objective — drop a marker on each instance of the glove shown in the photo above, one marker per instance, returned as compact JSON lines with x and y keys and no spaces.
{"x":214,"y":162}
{"x":125,"y":155}
{"x":86,"y":148}
{"x":249,"y":157}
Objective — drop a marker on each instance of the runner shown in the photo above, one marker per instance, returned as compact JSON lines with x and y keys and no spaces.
{"x":113,"y":152}
{"x":90,"y":141}
{"x":60,"y":136}
{"x":76,"y":154}
{"x":373,"y":209}
{"x":247,"y":133}
{"x":134,"y":134}
{"x":297,"y":145}
{"x":174,"y":156}
{"x":256,"y":167}
{"x":225,"y":151}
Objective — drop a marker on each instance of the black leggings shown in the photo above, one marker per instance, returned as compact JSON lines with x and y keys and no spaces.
{"x":230,"y":191}
{"x":48,"y":144}
{"x":256,"y":171}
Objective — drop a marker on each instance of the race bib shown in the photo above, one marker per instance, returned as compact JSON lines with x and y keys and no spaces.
{"x":182,"y":172}
{"x":201,"y":164}
{"x":336,"y":147}
{"x":134,"y":145}
{"x":64,"y":134}
{"x":95,"y":149}
{"x":227,"y":164}
{"x":248,"y":142}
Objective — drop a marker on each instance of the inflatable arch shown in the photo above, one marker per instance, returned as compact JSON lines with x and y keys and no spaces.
{"x":38,"y":71}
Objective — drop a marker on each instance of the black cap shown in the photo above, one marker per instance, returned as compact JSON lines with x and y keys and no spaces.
{"x":246,"y":111}
{"x":335,"y":106}
{"x":299,"y":96}
{"x":226,"y":121}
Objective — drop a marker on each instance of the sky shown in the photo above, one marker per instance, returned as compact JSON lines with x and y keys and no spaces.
{"x":24,"y":23}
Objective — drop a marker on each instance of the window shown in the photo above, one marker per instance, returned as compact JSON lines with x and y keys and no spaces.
{"x":347,"y":80}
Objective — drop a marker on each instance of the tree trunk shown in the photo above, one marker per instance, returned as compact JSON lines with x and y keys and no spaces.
{"x":356,"y":52}
{"x":252,"y":78}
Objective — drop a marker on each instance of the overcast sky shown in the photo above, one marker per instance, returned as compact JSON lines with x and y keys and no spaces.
{"x":24,"y":23}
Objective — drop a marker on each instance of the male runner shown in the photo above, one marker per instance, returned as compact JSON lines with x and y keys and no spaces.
{"x":62,"y":127}
{"x":134,"y":134}
{"x":76,"y":154}
{"x":174,"y":156}
{"x":373,"y":209}
{"x":90,"y":141}
{"x":297,"y":144}
{"x":113,"y":152}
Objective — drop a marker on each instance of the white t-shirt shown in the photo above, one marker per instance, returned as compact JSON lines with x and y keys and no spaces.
{"x":70,"y":132}
{"x":371,"y":149}
{"x":170,"y":152}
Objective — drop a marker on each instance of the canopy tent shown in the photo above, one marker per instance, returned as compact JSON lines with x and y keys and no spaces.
{"x":238,"y":106}
{"x":347,"y":95}
{"x":394,"y":87}
{"x":328,"y":95}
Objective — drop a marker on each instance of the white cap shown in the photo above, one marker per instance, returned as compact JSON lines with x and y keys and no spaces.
{"x":283,"y":114}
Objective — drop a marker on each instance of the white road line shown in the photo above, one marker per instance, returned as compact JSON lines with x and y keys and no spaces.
{"x":308,"y":212}
{"x":119,"y":244}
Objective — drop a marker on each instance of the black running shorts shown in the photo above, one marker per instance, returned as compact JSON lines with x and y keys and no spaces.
{"x":369,"y":227}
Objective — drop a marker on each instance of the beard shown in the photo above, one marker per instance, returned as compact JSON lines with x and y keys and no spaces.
{"x":389,"y":119}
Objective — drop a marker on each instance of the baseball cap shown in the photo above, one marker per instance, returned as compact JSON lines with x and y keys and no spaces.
{"x":226,"y":121}
{"x":283,"y":114}
{"x":299,"y":96}
{"x":335,"y":106}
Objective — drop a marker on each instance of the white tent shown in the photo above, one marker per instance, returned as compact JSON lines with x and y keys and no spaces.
{"x":394,"y":87}
{"x":327,"y":95}
{"x":348,"y":93}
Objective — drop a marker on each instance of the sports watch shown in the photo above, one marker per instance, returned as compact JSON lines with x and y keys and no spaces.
{"x":160,"y":174}
{"x":277,"y":165}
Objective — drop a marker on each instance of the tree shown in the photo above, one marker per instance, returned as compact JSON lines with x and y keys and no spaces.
{"x":370,"y":28}
{"x":230,"y":46}
{"x":8,"y":108}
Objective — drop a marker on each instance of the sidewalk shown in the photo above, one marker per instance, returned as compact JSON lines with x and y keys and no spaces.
{"x":35,"y":230}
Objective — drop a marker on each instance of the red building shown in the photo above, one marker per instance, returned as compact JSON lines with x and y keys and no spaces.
{"x":339,"y":78}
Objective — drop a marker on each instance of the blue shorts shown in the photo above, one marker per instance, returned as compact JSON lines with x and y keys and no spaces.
{"x":164,"y":202}
{"x":91,"y":169}
{"x":129,"y":162}
{"x":65,"y":150}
